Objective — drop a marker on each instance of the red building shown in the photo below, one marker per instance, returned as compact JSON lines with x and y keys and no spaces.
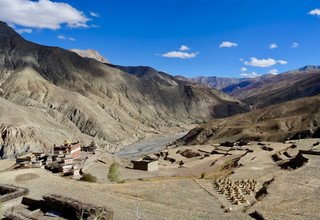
{"x":74,"y":150}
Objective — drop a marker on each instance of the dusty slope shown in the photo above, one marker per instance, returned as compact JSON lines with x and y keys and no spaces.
{"x":294,"y":119}
{"x":99,"y":100}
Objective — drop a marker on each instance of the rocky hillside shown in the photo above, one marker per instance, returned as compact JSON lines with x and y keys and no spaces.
{"x":291,"y":120}
{"x":92,"y":54}
{"x":51,"y":94}
{"x":217,"y":82}
{"x":245,"y":84}
{"x":280,"y":88}
{"x":269,"y":89}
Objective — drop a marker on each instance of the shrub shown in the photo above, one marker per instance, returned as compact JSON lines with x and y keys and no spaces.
{"x":87,"y":177}
{"x":113,"y":174}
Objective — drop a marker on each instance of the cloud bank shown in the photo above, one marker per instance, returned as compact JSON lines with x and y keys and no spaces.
{"x":264,"y":62}
{"x":182,"y":54}
{"x":179,"y":54}
{"x":41,"y":14}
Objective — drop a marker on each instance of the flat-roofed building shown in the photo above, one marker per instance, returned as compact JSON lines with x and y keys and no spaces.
{"x":146,"y":165}
{"x":26,"y":158}
{"x":65,"y":168}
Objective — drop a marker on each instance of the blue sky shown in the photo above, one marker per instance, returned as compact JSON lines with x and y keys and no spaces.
{"x":144,"y":32}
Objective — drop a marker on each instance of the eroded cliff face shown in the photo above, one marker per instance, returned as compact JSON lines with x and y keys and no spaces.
{"x":58,"y":95}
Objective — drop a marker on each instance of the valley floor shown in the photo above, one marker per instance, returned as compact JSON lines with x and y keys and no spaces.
{"x":291,"y":193}
{"x":152,"y":145}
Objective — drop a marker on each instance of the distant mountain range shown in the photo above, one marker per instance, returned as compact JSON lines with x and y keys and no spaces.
{"x":268,"y":89}
{"x":290,"y":120}
{"x":48,"y":95}
{"x":288,"y":107}
{"x":217,"y":82}
{"x":280,"y":88}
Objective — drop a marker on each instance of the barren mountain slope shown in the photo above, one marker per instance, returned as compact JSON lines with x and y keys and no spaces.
{"x":290,"y":120}
{"x":99,"y":100}
{"x":20,"y":125}
{"x":280,"y":88}
{"x":245,"y":83}
{"x":217,"y":82}
{"x":90,"y":53}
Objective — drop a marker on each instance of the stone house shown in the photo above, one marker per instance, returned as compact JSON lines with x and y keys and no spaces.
{"x":146,"y":165}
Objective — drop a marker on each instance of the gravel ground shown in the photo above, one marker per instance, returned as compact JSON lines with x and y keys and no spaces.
{"x":166,"y":199}
{"x":294,"y":194}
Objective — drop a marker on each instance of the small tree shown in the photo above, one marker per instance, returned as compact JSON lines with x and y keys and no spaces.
{"x":114,"y":173}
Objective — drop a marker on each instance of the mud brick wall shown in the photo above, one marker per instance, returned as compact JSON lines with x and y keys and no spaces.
{"x":74,"y":209}
{"x":9,"y":192}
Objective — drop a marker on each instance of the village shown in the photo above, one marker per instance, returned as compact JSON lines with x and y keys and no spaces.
{"x":68,"y":159}
{"x":65,"y":159}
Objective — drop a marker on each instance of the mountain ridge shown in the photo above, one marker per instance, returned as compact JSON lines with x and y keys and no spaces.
{"x":291,"y":120}
{"x":98,"y":101}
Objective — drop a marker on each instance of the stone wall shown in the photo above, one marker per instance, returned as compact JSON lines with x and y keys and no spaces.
{"x":8,"y":192}
{"x":74,"y":209}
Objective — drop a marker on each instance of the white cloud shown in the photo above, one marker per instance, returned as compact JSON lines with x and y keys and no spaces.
{"x":94,"y":14}
{"x":260,"y":63}
{"x":62,"y":37}
{"x":295,"y":45}
{"x":315,"y":12}
{"x":179,"y":54}
{"x":41,"y":14}
{"x":228,"y":44}
{"x":243,"y":69}
{"x":250,"y":75}
{"x":264,"y":62}
{"x":282,"y":62}
{"x":274,"y":71}
{"x":273,"y":46}
{"x":184,"y":48}
{"x":24,"y":30}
